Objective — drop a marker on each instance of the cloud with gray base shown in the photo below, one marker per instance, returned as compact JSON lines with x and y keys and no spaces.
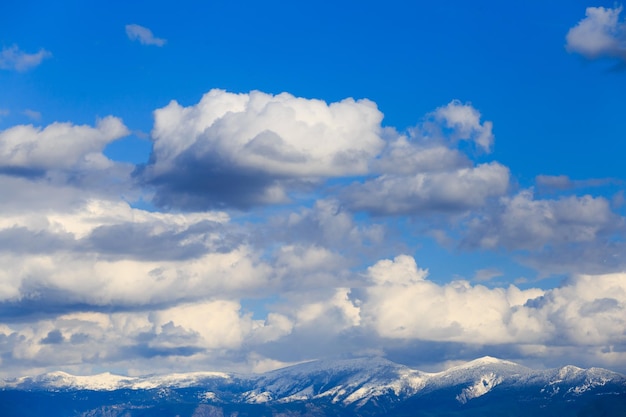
{"x":600,"y":34}
{"x":523,"y":222}
{"x":244,"y":150}
{"x":143,"y":35}
{"x":423,"y":172}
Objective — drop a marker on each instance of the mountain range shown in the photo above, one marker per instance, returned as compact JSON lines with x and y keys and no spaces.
{"x":352,"y":387}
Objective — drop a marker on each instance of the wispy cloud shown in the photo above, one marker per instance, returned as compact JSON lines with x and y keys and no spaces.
{"x":143,"y":35}
{"x":32,"y":114}
{"x":599,"y":34}
{"x":563,"y":182}
{"x":14,"y":59}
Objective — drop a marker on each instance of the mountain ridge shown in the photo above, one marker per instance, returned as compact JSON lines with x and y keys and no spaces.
{"x":359,"y":387}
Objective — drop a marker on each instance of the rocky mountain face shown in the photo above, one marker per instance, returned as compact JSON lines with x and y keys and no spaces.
{"x":356,"y":387}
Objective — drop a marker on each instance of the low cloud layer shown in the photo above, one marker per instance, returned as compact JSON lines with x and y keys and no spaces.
{"x":396,"y":303}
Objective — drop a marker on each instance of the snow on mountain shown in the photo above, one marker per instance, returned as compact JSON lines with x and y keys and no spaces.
{"x":62,"y":380}
{"x":574,"y":381}
{"x":109,"y":382}
{"x":479,"y":388}
{"x":348,"y":383}
{"x":478,"y":377}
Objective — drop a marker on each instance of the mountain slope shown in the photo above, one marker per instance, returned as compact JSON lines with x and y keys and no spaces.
{"x":355,"y":387}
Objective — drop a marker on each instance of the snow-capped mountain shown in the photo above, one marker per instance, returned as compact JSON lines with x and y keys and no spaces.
{"x":354,"y":387}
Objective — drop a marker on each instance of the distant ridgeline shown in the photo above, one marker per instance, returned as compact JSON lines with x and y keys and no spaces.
{"x":356,"y":387}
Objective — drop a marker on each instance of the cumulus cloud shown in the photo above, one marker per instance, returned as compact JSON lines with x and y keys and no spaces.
{"x":464,"y":121}
{"x":406,"y":156}
{"x":143,"y":35}
{"x":327,"y":224}
{"x":28,"y":149}
{"x":600,"y":34}
{"x":425,"y":172}
{"x":246,"y":149}
{"x":184,"y":337}
{"x":402,"y":303}
{"x":451,"y":191}
{"x":523,"y":222}
{"x":14,"y":59}
{"x":131,"y":258}
{"x":396,"y":305}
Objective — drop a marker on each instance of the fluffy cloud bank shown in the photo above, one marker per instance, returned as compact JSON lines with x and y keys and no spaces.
{"x":242,"y":150}
{"x":600,"y":34}
{"x":402,"y":303}
{"x":82,"y":267}
{"x":108,"y":254}
{"x":395,"y":302}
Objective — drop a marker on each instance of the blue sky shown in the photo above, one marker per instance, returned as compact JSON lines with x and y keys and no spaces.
{"x":243,"y":185}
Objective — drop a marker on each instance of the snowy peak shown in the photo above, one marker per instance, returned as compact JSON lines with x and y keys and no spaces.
{"x":486,"y":362}
{"x":344,"y":381}
{"x":352,"y":382}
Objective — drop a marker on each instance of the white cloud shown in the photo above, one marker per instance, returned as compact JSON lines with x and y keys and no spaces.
{"x":523,"y":222}
{"x":487,"y":274}
{"x":396,"y":302}
{"x":425,"y":172}
{"x":328,"y":225}
{"x":452,"y":191}
{"x":59,"y":146}
{"x":32,"y":114}
{"x":406,"y":156}
{"x":464,"y":120}
{"x":132,"y":257}
{"x":143,"y":35}
{"x":600,"y":33}
{"x":258,"y":144}
{"x":12,"y":58}
{"x":184,"y":337}
{"x":401,"y":303}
